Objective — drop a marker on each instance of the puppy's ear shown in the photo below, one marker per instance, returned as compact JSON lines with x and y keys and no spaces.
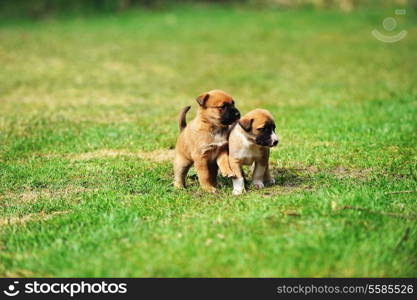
{"x":246,"y":124}
{"x":202,"y":99}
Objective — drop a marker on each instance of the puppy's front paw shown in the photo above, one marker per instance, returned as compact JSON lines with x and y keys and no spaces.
{"x":238,"y":192}
{"x":258,"y":184}
{"x":238,"y":186}
{"x":227,"y":173}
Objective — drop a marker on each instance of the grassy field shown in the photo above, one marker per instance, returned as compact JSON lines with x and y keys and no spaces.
{"x":88,"y":123}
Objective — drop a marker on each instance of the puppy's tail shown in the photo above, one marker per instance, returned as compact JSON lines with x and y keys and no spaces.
{"x":182,"y":122}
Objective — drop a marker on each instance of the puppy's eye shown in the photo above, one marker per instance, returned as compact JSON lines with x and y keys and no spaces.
{"x":224,"y":106}
{"x":261,"y":129}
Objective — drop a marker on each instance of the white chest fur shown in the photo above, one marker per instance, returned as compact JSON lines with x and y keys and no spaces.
{"x":245,"y":151}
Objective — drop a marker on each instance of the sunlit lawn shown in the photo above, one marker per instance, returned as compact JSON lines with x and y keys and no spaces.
{"x":88,"y":123}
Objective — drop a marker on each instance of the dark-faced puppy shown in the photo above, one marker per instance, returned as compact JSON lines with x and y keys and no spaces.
{"x":249,"y":143}
{"x":204,"y":141}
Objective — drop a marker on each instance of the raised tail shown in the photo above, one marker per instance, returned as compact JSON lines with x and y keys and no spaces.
{"x":182,"y":122}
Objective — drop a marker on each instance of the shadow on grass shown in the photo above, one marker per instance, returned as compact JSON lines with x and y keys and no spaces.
{"x":284,"y":177}
{"x":289,"y":177}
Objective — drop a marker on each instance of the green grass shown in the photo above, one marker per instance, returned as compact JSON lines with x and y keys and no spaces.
{"x":86,"y":104}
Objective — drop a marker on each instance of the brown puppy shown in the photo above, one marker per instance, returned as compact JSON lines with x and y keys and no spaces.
{"x":249,"y":143}
{"x":204,"y":141}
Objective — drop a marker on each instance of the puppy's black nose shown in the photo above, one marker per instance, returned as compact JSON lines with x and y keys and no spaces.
{"x":275,"y":143}
{"x":237,"y":114}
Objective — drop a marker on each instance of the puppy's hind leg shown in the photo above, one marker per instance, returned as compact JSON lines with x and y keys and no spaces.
{"x":181,"y":167}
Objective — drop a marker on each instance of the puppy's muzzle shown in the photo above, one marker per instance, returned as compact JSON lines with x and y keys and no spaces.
{"x":230,"y":116}
{"x":274,"y":140}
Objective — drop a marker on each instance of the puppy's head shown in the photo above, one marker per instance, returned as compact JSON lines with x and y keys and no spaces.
{"x":259,"y":125}
{"x":218,"y":107}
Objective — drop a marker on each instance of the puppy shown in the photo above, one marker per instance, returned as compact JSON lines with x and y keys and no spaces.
{"x":249,"y":143}
{"x":204,"y":141}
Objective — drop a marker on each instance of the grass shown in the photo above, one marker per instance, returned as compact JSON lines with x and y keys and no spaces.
{"x":88,"y":123}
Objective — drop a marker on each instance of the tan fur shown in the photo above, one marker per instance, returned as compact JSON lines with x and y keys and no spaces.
{"x":243,"y":149}
{"x":203,"y":142}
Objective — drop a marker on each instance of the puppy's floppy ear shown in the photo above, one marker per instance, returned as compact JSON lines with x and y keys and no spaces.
{"x":246,"y":124}
{"x":202,"y":99}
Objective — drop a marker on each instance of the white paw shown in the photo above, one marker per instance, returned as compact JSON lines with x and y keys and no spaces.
{"x":258,"y":184}
{"x":237,"y":192}
{"x":238,"y":186}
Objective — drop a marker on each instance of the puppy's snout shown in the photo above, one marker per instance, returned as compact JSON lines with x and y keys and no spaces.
{"x":274,"y":140}
{"x":230,"y":116}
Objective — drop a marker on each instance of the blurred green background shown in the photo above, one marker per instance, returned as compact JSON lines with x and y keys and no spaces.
{"x":48,"y":8}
